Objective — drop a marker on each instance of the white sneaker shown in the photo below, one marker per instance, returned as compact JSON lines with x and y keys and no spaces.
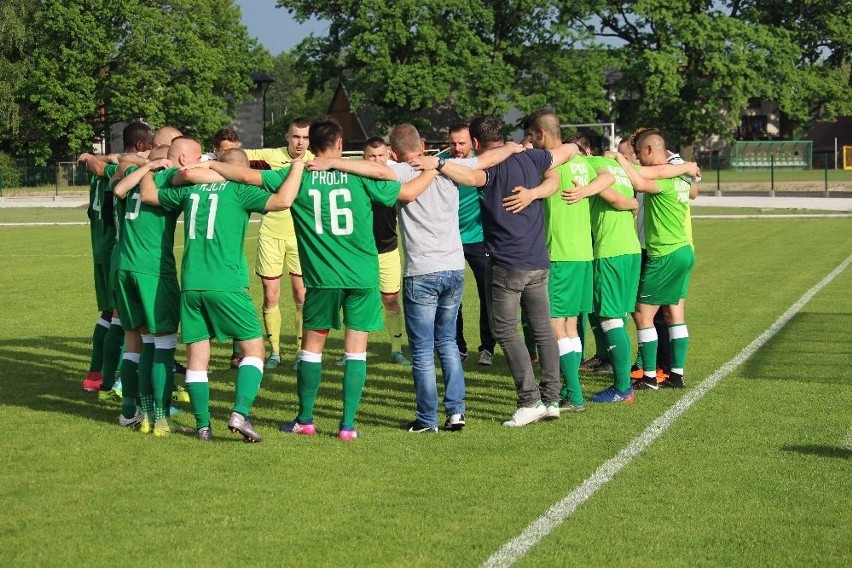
{"x":486,"y":357}
{"x":527,"y":415}
{"x":551,"y":411}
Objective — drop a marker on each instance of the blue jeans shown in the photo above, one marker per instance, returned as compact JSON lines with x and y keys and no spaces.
{"x":431,"y":305}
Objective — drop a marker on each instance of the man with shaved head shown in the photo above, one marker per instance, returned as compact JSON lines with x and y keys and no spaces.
{"x":665,"y":279}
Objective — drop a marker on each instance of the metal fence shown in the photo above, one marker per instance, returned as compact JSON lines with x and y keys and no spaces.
{"x":819,"y":178}
{"x":55,"y":180}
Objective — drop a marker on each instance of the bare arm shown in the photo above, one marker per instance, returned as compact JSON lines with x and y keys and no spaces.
{"x":195,"y":176}
{"x":148,"y":189}
{"x":497,"y":155}
{"x":619,"y":201}
{"x":563,"y":154}
{"x":412,"y":189}
{"x":286,"y":194}
{"x":640,"y":183}
{"x":603,"y":181}
{"x":665,"y":171}
{"x":230,"y":172}
{"x":521,"y":196}
{"x":94,"y":164}
{"x":130,"y":181}
{"x":693,"y":191}
{"x":363,"y":168}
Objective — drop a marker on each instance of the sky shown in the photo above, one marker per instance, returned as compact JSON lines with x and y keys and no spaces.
{"x":275,"y":27}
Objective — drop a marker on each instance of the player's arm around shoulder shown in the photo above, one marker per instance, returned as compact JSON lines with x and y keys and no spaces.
{"x":286,"y":194}
{"x":412,"y":189}
{"x":363,"y":168}
{"x":639,"y":182}
{"x":521,"y":196}
{"x":458,"y":174}
{"x":133,"y":179}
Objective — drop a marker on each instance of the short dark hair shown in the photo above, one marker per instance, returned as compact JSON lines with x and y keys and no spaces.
{"x":324,"y":133}
{"x":374,"y":142}
{"x":643,"y":134}
{"x":228,"y":133}
{"x":486,"y":129}
{"x":458,"y":127}
{"x":581,"y":140}
{"x":137,"y":132}
{"x":544,"y":119}
{"x":300,"y":122}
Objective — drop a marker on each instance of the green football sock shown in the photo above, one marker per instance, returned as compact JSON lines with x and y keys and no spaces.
{"x":569,"y":363}
{"x":129,"y":385}
{"x":199,"y":398}
{"x":98,"y":335}
{"x":679,"y":342}
{"x":113,"y":341}
{"x":308,"y":377}
{"x":600,"y":337}
{"x":247,"y":384}
{"x":354,"y":378}
{"x":619,"y":354}
{"x":146,"y":391}
{"x":162,"y":369}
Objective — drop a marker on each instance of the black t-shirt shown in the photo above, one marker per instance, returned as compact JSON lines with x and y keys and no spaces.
{"x":384,"y":227}
{"x":516,"y":240}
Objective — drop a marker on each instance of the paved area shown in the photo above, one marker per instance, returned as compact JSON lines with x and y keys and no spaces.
{"x":821,"y":203}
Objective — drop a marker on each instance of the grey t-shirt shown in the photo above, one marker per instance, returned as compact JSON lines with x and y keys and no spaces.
{"x":429,"y":225}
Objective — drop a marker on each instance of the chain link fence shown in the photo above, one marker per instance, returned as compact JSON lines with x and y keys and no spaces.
{"x":63,"y":179}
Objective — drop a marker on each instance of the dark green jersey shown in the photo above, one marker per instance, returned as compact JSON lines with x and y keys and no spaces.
{"x":148,"y":233}
{"x":216,"y":217}
{"x":333,"y":217}
{"x":101,"y":224}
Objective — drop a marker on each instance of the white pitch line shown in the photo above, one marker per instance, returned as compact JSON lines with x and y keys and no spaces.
{"x":516,"y":548}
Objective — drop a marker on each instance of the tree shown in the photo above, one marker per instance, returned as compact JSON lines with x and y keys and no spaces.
{"x":94,"y":62}
{"x":288,"y":97}
{"x":693,"y":66}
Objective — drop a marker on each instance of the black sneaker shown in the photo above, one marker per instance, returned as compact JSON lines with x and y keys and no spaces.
{"x":179,"y":369}
{"x":674,"y":381}
{"x":415,"y":427}
{"x":204,"y":434}
{"x":454,"y":422}
{"x":239,"y":424}
{"x":646,"y":383}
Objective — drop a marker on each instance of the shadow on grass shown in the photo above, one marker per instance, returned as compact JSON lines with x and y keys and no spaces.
{"x":821,"y":451}
{"x":825,"y":337}
{"x":45,"y":374}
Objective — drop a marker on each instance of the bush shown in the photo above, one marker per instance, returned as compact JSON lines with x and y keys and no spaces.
{"x":10,"y":175}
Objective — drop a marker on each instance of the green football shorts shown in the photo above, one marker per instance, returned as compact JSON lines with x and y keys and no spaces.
{"x":665,"y":279}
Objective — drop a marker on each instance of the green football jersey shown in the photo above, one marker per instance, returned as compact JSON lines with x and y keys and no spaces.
{"x":568,"y":227}
{"x":148,"y":233}
{"x":667,"y":226}
{"x":613,"y":231}
{"x":102,"y":227}
{"x":216,"y":217}
{"x":333,"y":217}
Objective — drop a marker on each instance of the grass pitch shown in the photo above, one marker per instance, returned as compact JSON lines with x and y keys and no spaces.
{"x":757,"y":472}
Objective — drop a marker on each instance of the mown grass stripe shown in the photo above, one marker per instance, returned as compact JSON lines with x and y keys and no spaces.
{"x":516,"y":548}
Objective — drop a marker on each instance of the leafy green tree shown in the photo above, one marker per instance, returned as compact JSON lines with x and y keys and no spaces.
{"x":288,"y":97}
{"x":91,"y":63}
{"x":691,"y":67}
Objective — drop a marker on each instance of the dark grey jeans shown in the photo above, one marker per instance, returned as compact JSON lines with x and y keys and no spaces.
{"x":506,"y":291}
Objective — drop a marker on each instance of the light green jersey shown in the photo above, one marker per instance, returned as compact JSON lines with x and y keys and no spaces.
{"x":568,"y":227}
{"x":613,"y":230}
{"x":667,"y":226}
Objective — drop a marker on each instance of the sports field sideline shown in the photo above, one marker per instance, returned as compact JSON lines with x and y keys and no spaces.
{"x":754,"y":472}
